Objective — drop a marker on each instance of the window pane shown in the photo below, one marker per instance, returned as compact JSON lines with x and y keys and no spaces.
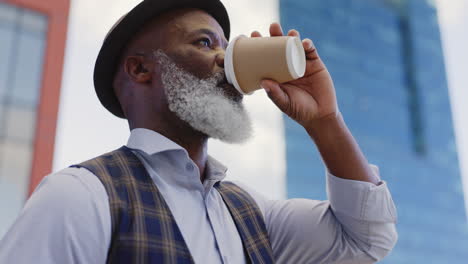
{"x":6,"y":40}
{"x":8,"y":14}
{"x":20,"y":123}
{"x":15,"y":165}
{"x":15,"y":169}
{"x":2,"y":110}
{"x":10,"y":203}
{"x":33,"y":22}
{"x":28,"y":72}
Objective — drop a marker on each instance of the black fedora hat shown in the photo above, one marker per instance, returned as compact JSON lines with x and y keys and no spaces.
{"x":119,"y":36}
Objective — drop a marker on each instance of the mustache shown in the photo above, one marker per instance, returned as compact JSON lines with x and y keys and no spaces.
{"x":220,"y":78}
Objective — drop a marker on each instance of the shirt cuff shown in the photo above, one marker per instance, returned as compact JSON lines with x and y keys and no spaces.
{"x":361,"y":200}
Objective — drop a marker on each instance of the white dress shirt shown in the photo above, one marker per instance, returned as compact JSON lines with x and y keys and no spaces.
{"x":67,"y":219}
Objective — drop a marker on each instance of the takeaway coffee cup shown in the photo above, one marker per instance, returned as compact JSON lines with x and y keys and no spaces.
{"x":250,"y":60}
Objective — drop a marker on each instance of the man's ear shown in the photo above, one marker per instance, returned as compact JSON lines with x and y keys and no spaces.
{"x":138,"y":69}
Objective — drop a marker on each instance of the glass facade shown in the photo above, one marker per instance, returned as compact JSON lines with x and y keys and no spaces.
{"x":386,"y":60}
{"x":23,"y":35}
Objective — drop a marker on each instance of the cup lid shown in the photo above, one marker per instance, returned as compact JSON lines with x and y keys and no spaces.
{"x":295,"y":57}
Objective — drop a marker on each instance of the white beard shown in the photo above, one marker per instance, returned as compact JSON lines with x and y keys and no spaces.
{"x":203,"y":105}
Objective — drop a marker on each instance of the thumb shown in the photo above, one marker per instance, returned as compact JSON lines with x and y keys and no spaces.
{"x":276,"y":94}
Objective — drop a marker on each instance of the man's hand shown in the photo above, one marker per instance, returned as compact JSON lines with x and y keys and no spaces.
{"x":310,"y":98}
{"x":311,"y":101}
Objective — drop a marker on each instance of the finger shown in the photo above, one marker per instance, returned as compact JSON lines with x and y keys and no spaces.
{"x":310,"y":49}
{"x":308,"y":45}
{"x":255,"y":34}
{"x":294,"y":33}
{"x":276,"y":94}
{"x":276,"y":30}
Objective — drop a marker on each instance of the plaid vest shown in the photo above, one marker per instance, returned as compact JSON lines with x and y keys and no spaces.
{"x":143,"y":227}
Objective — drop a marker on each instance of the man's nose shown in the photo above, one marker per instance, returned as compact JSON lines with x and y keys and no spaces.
{"x":220,"y":59}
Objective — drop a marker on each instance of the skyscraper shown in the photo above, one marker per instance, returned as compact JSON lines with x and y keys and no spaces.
{"x":387,"y":64}
{"x":32,"y":41}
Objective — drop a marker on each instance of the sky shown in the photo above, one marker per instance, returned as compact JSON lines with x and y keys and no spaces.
{"x":85,"y":129}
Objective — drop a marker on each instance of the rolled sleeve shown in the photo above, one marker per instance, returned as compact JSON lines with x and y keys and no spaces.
{"x":361,"y":200}
{"x":366,"y":211}
{"x":355,"y":226}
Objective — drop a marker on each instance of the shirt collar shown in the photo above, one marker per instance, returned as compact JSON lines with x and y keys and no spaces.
{"x":152,"y":142}
{"x":216,"y":171}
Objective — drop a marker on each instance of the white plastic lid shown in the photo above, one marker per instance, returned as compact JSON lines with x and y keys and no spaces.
{"x":295,"y":57}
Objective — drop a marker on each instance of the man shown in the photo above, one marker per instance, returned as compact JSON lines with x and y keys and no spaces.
{"x":162,"y":199}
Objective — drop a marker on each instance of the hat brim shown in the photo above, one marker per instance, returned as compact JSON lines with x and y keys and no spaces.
{"x":124,"y":31}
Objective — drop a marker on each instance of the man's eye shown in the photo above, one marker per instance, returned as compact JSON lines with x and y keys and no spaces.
{"x":204,"y":42}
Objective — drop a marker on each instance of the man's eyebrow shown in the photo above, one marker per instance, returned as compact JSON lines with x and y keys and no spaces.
{"x":211,"y":33}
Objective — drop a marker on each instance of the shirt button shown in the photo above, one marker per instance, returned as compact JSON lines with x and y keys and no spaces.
{"x":189,"y":167}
